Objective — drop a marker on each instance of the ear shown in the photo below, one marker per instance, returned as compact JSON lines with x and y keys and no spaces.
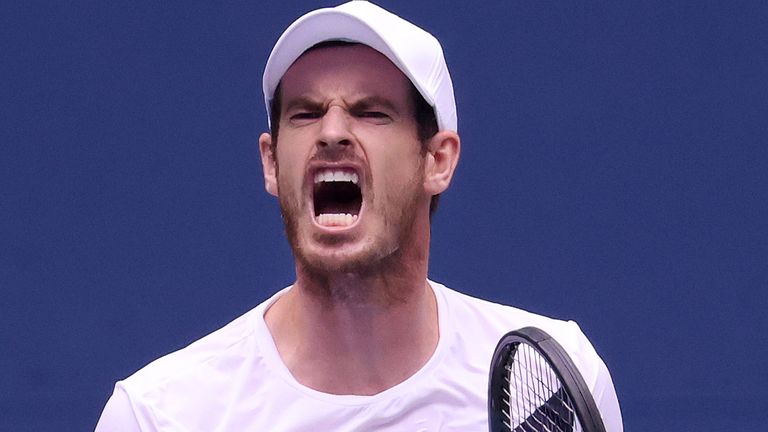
{"x":268,"y":163}
{"x":442,"y":157}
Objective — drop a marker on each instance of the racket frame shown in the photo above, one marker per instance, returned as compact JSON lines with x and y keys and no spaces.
{"x":585,"y":407}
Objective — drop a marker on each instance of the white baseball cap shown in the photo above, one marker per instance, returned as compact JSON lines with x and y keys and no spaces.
{"x":413,"y":50}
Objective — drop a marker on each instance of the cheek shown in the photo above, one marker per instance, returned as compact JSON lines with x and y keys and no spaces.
{"x":397,"y":170}
{"x":289,"y":162}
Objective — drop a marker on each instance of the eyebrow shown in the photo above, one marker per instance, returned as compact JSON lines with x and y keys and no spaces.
{"x":373,"y":101}
{"x":304,"y":102}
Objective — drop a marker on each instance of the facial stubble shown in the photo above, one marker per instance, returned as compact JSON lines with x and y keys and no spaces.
{"x":383,"y":251}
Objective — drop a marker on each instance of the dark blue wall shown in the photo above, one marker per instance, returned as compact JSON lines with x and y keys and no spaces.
{"x":614,"y":171}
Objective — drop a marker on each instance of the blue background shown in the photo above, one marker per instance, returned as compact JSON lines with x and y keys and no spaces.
{"x":614,"y":171}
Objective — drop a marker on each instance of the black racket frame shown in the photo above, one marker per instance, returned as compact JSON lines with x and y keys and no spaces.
{"x":573,"y":383}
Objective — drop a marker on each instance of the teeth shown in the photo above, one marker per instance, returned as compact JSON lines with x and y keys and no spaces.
{"x":335,"y":176}
{"x":336,"y":219}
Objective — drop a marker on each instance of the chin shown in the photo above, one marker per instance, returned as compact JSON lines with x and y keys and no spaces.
{"x":362,"y":260}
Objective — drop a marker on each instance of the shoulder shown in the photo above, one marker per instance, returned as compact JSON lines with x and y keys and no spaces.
{"x":179,"y":384}
{"x":479,"y":325}
{"x":223,"y":349}
{"x":480,"y":316}
{"x":496,"y":319}
{"x":141,"y":401}
{"x":204,"y":354}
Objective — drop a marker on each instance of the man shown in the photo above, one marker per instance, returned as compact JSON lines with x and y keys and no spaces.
{"x":363,"y":139}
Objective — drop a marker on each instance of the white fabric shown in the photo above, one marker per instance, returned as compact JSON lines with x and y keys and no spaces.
{"x":413,"y":50}
{"x":234,"y":380}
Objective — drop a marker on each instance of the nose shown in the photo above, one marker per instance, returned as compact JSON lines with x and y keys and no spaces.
{"x":334,"y":128}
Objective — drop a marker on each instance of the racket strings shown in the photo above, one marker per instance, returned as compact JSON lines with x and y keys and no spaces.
{"x":534,"y":399}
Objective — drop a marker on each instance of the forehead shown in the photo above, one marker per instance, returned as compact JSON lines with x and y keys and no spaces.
{"x":345,"y":71}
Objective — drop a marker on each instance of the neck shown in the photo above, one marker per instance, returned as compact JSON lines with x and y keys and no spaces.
{"x":357,"y":333}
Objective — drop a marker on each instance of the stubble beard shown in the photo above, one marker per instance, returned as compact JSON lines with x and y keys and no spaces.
{"x":380,"y":254}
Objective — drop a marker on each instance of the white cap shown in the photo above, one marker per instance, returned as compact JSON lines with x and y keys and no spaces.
{"x":413,"y":50}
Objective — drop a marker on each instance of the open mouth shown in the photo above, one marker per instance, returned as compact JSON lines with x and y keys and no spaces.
{"x":337,"y":197}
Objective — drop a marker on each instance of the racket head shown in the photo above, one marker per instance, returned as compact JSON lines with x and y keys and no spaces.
{"x":535,"y":386}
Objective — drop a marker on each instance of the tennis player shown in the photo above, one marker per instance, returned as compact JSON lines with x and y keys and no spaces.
{"x":362,"y":141}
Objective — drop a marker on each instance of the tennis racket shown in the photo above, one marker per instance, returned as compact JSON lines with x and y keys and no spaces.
{"x":535,"y":387}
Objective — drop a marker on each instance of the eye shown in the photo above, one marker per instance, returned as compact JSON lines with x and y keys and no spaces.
{"x":304,"y":116}
{"x":372,"y":116}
